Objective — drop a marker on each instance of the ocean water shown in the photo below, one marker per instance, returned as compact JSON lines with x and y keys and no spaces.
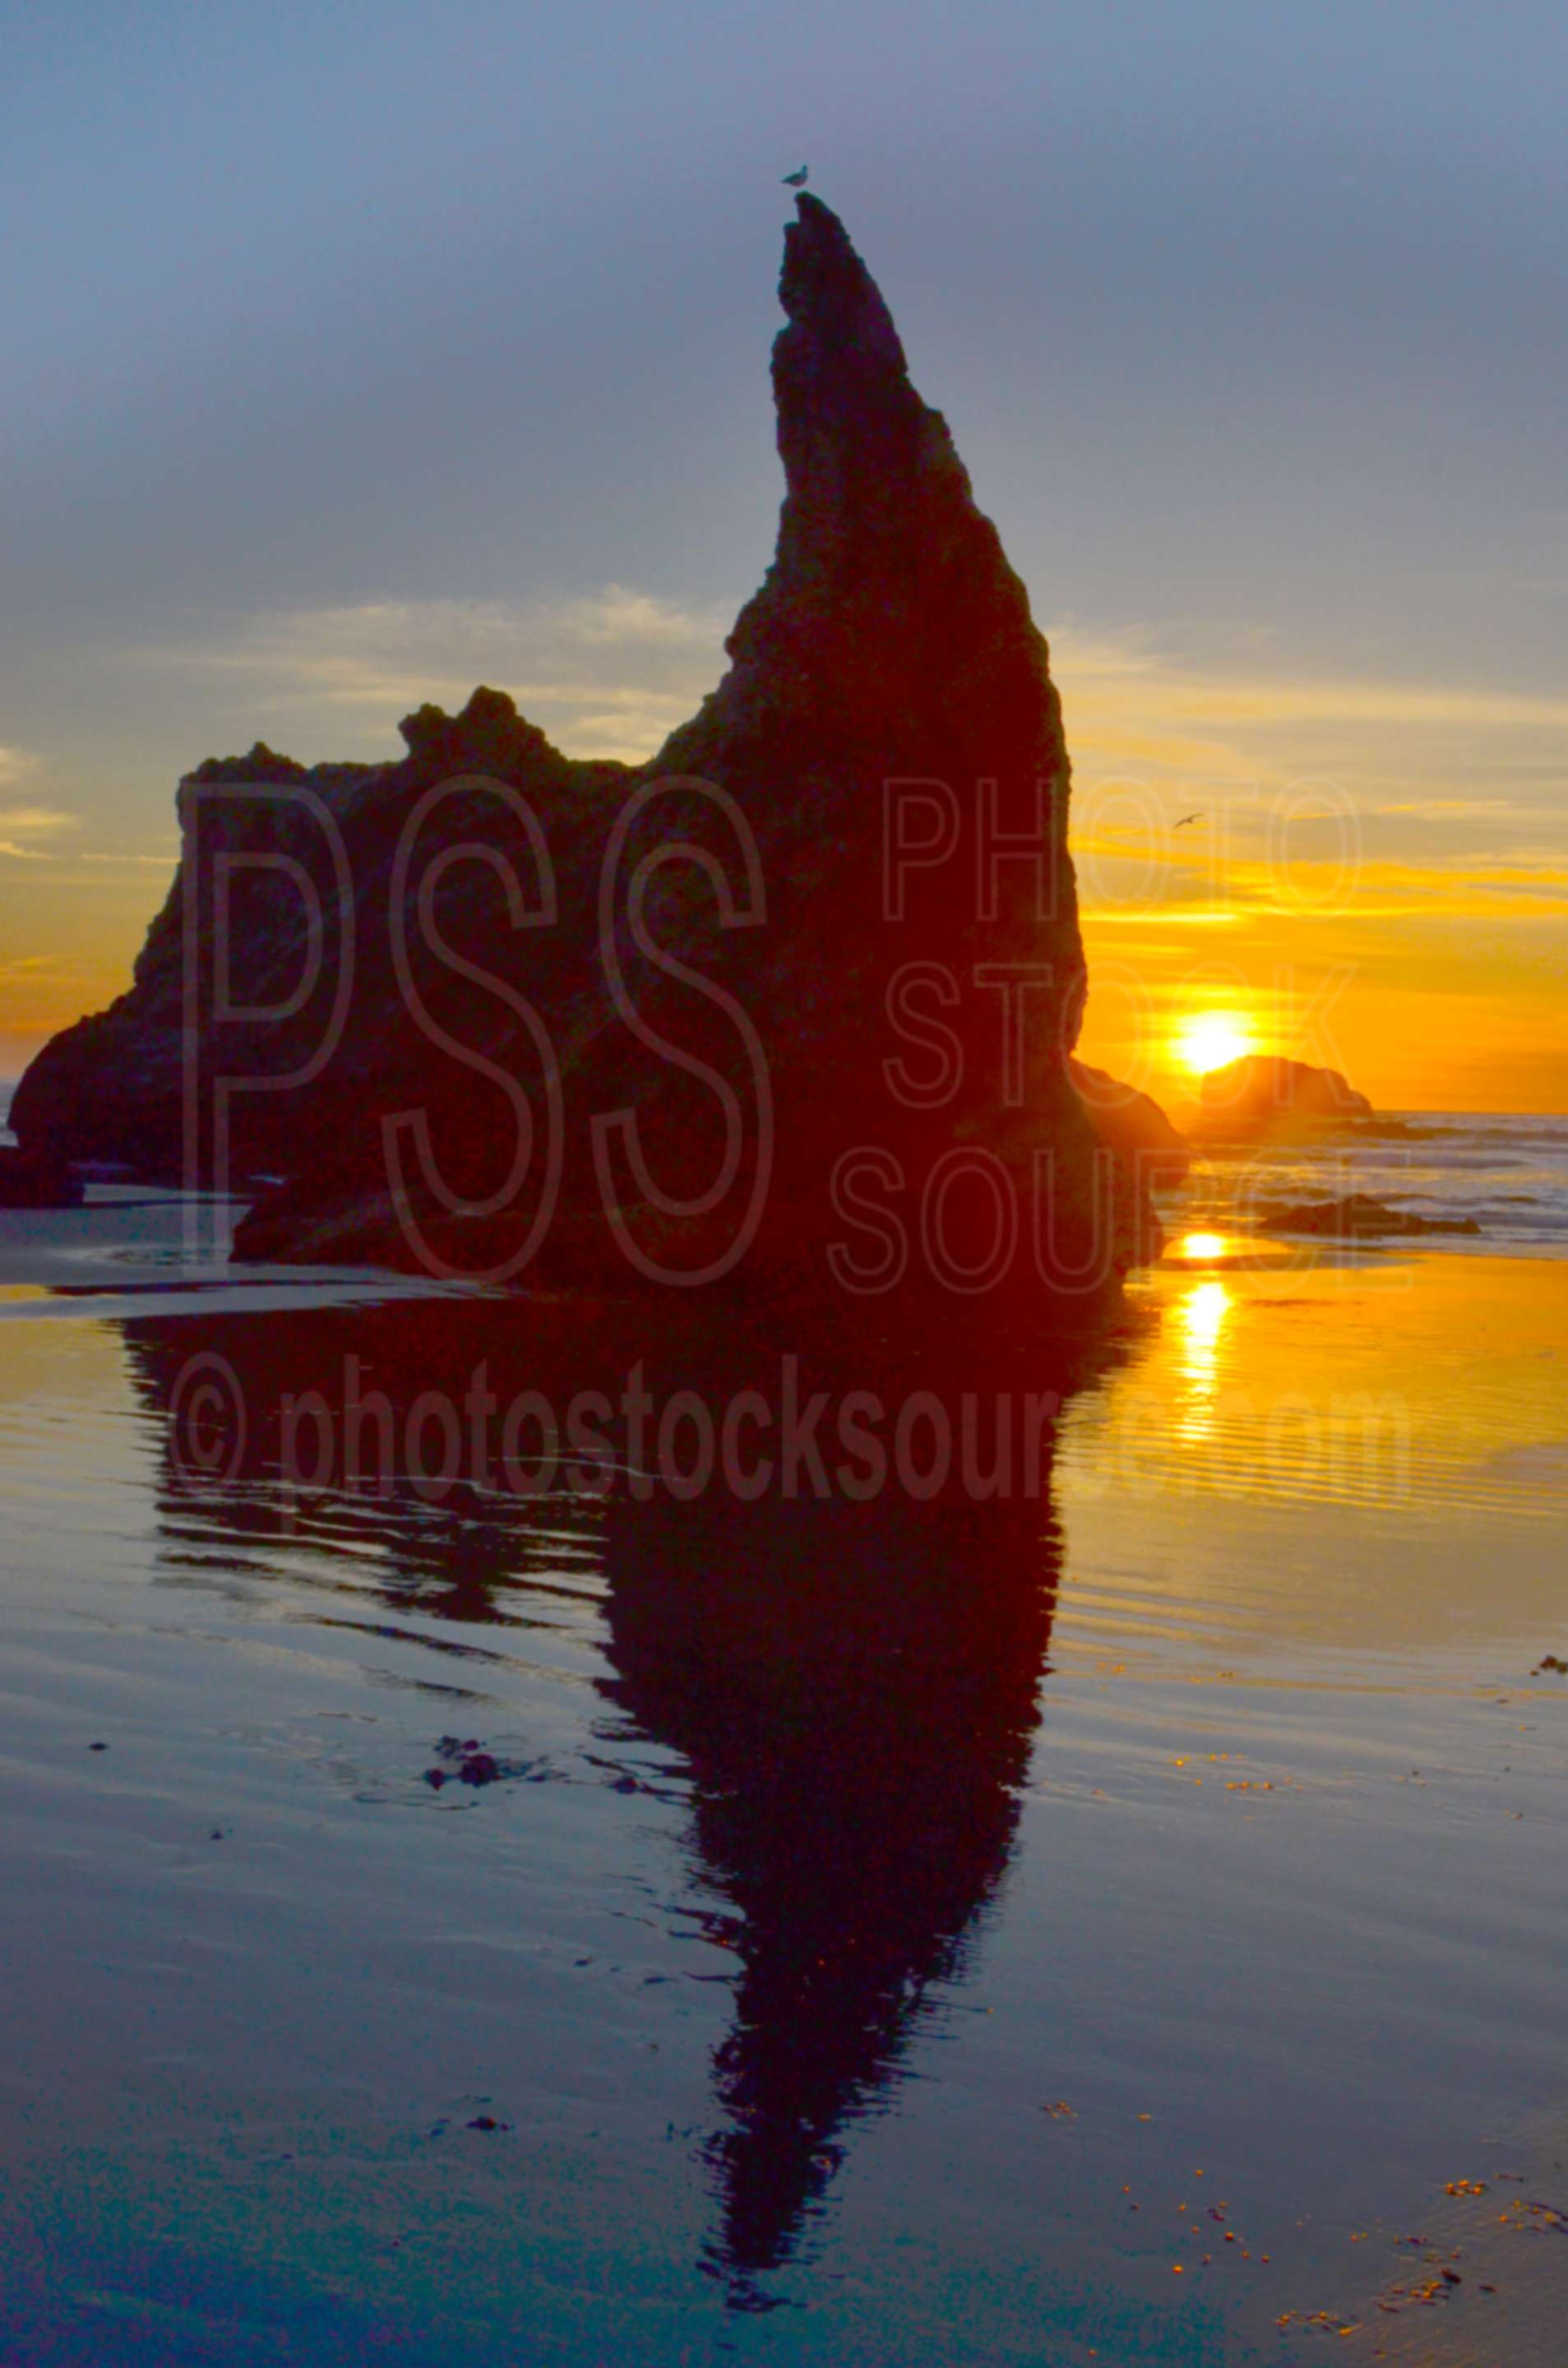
{"x":1116,"y":1918}
{"x":1510,"y":1175}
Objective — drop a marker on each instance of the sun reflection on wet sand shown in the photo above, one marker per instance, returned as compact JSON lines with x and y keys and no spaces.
{"x":1201,"y":1314}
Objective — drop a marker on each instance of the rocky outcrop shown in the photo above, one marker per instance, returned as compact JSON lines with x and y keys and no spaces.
{"x":259,"y":910}
{"x":1132,"y":1125}
{"x":1355,"y":1216}
{"x":1264,"y":1098}
{"x":606,"y":1018}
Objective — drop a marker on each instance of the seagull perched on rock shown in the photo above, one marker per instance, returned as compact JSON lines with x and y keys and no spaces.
{"x":797,"y":180}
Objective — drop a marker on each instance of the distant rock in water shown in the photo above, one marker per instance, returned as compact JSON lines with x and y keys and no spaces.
{"x":1356,"y":1217}
{"x":1264,"y":1097}
{"x":1132,"y":1125}
{"x":834,"y":917}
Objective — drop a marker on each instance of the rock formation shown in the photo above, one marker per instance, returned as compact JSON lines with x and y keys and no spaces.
{"x":1355,"y":1216}
{"x":835,"y":917}
{"x":1132,"y":1125}
{"x":1263,"y":1098}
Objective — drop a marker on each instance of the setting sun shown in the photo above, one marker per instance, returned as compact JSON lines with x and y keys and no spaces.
{"x":1210,"y":1039}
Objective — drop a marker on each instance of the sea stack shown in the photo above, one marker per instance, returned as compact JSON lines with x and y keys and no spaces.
{"x":812,"y":974}
{"x":1264,"y":1097}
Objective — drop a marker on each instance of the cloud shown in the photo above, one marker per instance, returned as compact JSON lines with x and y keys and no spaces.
{"x":28,"y":819}
{"x":617,"y":614}
{"x":161,"y":862}
{"x":1426,"y":755}
{"x":1117,"y":888}
{"x":608,"y":672}
{"x":1131,"y":663}
{"x":1321,"y":802}
{"x":611,"y":672}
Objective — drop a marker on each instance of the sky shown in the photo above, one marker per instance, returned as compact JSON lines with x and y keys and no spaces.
{"x":358,"y":354}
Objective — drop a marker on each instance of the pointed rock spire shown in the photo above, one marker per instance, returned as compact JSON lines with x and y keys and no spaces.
{"x":890,"y":620}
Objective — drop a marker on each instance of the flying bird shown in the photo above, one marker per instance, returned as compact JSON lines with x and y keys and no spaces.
{"x":1185,"y":820}
{"x":797,"y":180}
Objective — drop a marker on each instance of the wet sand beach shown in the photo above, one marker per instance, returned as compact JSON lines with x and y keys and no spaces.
{"x":1125,"y":1925}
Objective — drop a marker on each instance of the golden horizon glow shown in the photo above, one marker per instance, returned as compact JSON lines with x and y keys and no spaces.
{"x":1202,"y":1246}
{"x":1211,"y":1040}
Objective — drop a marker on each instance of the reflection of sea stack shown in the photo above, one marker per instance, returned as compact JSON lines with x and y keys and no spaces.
{"x":855,"y":1690}
{"x":40,"y":1180}
{"x":851,"y":1687}
{"x":890,"y":643}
